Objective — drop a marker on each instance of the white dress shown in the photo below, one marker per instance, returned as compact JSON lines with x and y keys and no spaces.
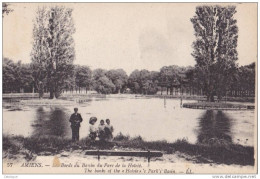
{"x":92,"y":128}
{"x":101,"y":127}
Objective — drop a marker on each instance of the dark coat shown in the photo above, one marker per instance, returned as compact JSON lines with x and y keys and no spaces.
{"x":75,"y":120}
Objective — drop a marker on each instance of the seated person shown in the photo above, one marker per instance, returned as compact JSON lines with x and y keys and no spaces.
{"x":109,"y":130}
{"x":101,"y":130}
{"x":92,"y":128}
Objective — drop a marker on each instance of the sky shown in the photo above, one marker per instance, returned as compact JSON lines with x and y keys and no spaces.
{"x":128,"y":35}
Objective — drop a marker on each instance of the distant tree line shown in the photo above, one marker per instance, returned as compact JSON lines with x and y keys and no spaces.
{"x":19,"y":77}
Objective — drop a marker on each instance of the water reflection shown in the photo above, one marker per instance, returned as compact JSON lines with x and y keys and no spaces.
{"x":214,"y":127}
{"x":153,"y":119}
{"x":51,"y":122}
{"x":40,"y":114}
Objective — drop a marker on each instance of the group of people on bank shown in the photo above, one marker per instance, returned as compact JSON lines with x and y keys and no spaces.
{"x":104,"y":131}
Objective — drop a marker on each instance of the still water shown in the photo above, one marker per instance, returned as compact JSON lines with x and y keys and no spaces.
{"x":151,"y":118}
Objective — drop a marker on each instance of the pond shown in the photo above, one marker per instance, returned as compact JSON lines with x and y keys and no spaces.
{"x":151,"y":118}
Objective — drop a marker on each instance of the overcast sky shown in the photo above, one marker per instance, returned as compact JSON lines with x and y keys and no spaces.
{"x":128,"y":35}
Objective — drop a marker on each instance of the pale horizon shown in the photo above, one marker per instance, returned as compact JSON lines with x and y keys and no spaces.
{"x":128,"y":35}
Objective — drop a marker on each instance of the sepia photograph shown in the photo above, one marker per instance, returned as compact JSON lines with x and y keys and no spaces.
{"x":129,"y":88}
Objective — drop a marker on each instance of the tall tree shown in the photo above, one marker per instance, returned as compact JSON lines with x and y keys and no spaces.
{"x":39,"y":53}
{"x":169,"y":76}
{"x":119,"y":79}
{"x":53,"y":47}
{"x":143,"y":82}
{"x":215,"y":47}
{"x":134,"y":82}
{"x":23,"y":77}
{"x":17,"y":77}
{"x":101,"y":83}
{"x":83,"y":76}
{"x":8,"y":75}
{"x":246,"y":79}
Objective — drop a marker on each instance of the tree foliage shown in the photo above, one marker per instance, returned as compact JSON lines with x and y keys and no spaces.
{"x":143,"y":82}
{"x":118,"y":78}
{"x":244,"y":78}
{"x":8,"y":75}
{"x":83,"y":76}
{"x":169,"y":75}
{"x":6,"y":9}
{"x":17,"y":77}
{"x":101,"y":83}
{"x":215,"y":47}
{"x":53,"y":47}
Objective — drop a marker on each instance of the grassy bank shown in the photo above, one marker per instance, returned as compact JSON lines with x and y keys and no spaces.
{"x":217,"y":105}
{"x":218,"y":152}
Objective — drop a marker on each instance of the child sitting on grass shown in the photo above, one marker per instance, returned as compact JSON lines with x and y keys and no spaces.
{"x":101,"y":130}
{"x":109,"y":130}
{"x":92,"y":128}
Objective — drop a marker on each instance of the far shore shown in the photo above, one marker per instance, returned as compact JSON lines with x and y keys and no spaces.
{"x":219,"y":106}
{"x":79,"y":96}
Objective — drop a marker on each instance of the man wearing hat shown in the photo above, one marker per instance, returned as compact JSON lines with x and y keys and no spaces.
{"x":75,"y":120}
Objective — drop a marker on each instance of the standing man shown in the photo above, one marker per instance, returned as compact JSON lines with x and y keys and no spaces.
{"x":75,"y":120}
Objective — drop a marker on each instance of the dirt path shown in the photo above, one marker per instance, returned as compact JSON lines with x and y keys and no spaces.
{"x":78,"y":162}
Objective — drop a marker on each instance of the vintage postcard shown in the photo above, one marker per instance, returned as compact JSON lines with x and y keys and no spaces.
{"x":129,"y":88}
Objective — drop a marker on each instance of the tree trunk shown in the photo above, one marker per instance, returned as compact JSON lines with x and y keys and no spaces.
{"x":51,"y":92}
{"x":57,"y":94}
{"x":210,"y":97}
